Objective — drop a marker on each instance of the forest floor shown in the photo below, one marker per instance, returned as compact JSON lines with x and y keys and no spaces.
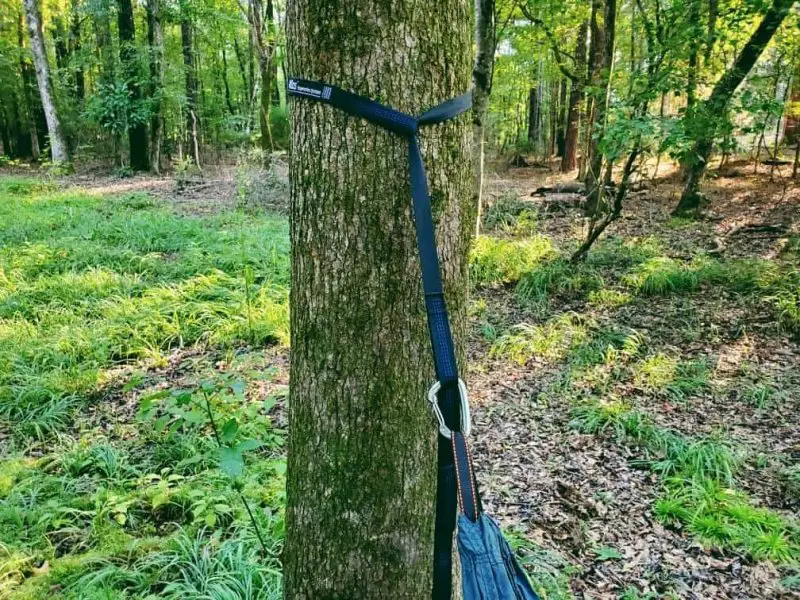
{"x":637,"y":429}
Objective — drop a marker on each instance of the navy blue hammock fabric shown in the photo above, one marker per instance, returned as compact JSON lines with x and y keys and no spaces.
{"x":488,"y":568}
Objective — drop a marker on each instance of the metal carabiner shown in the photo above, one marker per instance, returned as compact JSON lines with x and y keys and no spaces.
{"x":466,"y":419}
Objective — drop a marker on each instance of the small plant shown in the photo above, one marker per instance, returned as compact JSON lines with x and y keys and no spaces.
{"x":506,"y":212}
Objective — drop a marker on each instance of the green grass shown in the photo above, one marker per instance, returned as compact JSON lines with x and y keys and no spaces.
{"x":97,"y":295}
{"x":549,"y":342}
{"x":499,"y":262}
{"x":87,"y":283}
{"x":699,"y":486}
{"x":558,"y":278}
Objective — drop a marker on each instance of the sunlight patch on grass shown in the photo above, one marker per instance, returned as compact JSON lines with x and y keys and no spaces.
{"x":550,"y":341}
{"x":499,"y":262}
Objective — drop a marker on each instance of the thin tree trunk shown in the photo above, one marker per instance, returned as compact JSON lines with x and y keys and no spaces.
{"x":155,"y":40}
{"x":569,"y":159}
{"x":187,"y":43}
{"x":603,"y":30}
{"x":362,"y":449}
{"x":717,"y":104}
{"x":796,"y":158}
{"x":240,"y":58}
{"x":482,"y":74}
{"x":533,"y":117}
{"x":562,"y":117}
{"x":694,"y":50}
{"x":102,"y":33}
{"x":227,"y":86}
{"x":128,"y":58}
{"x":29,"y":139}
{"x":58,"y":146}
{"x":79,"y":81}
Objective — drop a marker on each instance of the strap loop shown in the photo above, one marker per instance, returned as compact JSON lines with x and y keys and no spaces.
{"x":466,"y":419}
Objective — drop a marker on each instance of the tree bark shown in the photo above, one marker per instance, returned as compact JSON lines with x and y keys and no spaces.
{"x":192,"y":118}
{"x":155,"y":40}
{"x":533,"y":116}
{"x":58,"y":146}
{"x":79,"y":82}
{"x":569,"y":158}
{"x":137,"y":131}
{"x":716,"y":105}
{"x":603,"y":26}
{"x":362,"y":447}
{"x":562,"y":118}
{"x":482,"y":75}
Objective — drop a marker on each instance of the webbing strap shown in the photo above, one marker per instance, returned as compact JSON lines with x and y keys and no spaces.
{"x":454,"y":470}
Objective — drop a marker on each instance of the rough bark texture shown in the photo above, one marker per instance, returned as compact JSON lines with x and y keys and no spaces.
{"x":137,"y":132}
{"x":717,"y":103}
{"x":569,"y":158}
{"x":155,"y":40}
{"x":362,"y":445}
{"x":603,"y":26}
{"x":192,"y":118}
{"x":58,"y":146}
{"x":534,"y":117}
{"x":482,"y":74}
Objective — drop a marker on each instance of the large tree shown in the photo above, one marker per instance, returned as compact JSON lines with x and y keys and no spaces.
{"x":706,"y":118}
{"x":362,"y":447}
{"x":58,"y":145}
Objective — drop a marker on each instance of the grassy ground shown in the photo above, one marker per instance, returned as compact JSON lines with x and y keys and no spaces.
{"x":637,"y":423}
{"x":125,"y":327}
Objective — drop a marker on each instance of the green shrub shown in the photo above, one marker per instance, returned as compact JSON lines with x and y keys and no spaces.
{"x":558,"y":278}
{"x":499,"y":262}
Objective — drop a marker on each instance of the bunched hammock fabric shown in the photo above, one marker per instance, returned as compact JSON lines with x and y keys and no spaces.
{"x":489,"y":569}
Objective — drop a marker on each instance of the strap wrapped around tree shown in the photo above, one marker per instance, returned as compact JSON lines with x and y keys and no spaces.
{"x":489,"y":569}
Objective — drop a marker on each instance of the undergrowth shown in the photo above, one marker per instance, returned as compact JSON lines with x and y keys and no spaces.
{"x":699,"y":484}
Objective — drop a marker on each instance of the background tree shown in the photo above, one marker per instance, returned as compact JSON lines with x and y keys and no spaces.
{"x":128,"y":57}
{"x":361,"y":472}
{"x":706,"y":122}
{"x":58,"y":146}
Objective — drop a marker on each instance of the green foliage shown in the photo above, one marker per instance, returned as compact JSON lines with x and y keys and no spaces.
{"x":698,"y":489}
{"x":508,"y":213}
{"x":496,"y":262}
{"x":85,"y":284}
{"x":558,"y":278}
{"x":548,"y":342}
{"x":549,"y":573}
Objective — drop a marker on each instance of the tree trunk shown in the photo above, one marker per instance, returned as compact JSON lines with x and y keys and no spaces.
{"x":137,"y":132}
{"x":155,"y":40}
{"x":29,"y":138}
{"x":603,"y":29}
{"x":240,"y":58}
{"x":717,"y":104}
{"x":362,"y":447}
{"x":482,"y":74}
{"x":102,"y":33}
{"x":569,"y":158}
{"x":58,"y":147}
{"x":226,"y":83}
{"x":261,"y":32}
{"x":562,"y":118}
{"x":694,"y":49}
{"x":533,"y":116}
{"x":192,"y":118}
{"x":79,"y":82}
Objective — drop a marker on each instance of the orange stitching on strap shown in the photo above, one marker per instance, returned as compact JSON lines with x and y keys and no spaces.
{"x":471,"y":480}
{"x":458,"y":478}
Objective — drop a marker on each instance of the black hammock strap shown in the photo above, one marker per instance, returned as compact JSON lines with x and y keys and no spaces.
{"x":456,"y":482}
